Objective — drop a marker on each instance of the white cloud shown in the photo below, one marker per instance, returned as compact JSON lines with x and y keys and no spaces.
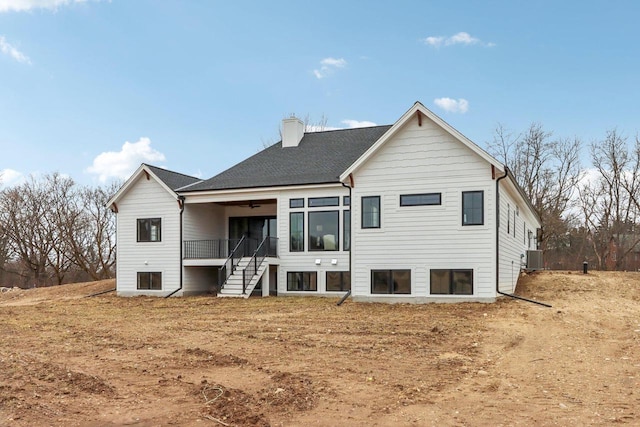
{"x":459,"y":38}
{"x":121,"y":164}
{"x":452,"y":105}
{"x":328,"y":67}
{"x":8,"y":49}
{"x":358,"y":123}
{"x":27,"y":5}
{"x":10,"y":177}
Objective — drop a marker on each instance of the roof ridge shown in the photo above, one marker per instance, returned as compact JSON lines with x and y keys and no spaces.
{"x":347,"y":129}
{"x":174,"y":172}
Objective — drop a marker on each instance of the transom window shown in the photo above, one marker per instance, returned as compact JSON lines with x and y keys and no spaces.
{"x":149,"y":230}
{"x":452,"y":282}
{"x":473,"y":208}
{"x":390,"y":281}
{"x":427,"y":199}
{"x":371,"y":212}
{"x":346,"y":201}
{"x":150,"y":280}
{"x":302,"y":281}
{"x":323,"y":231}
{"x":315,"y":202}
{"x":296,"y":203}
{"x":338,"y":281}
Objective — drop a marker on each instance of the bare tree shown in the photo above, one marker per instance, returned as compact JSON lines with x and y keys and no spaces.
{"x":548,"y":170}
{"x":610,"y":201}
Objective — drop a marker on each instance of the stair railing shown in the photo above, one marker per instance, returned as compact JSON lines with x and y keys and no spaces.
{"x":264,"y":249}
{"x":231,"y":263}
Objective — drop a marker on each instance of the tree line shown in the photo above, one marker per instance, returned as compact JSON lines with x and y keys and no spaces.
{"x":588,"y":213}
{"x":53,"y":231}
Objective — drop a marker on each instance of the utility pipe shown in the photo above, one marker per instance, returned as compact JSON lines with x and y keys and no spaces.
{"x":181,"y":204}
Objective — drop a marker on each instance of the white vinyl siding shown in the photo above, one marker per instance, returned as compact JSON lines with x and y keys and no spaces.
{"x":424,"y":159}
{"x":513,"y":245}
{"x":146,"y":198}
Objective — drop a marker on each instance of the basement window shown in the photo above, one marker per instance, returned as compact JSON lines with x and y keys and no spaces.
{"x":302,"y":281}
{"x":338,"y":281}
{"x":150,"y":281}
{"x":390,"y":281}
{"x":452,"y":282}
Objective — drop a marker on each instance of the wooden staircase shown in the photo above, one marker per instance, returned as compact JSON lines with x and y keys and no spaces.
{"x":233,"y":286}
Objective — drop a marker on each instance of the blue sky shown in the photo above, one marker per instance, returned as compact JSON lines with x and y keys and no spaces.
{"x":93,"y":88}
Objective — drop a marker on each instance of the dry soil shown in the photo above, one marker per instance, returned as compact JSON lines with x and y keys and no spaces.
{"x":102,"y":361}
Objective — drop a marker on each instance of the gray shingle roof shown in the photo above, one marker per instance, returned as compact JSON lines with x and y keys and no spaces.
{"x":173,"y":180}
{"x":319,"y":158}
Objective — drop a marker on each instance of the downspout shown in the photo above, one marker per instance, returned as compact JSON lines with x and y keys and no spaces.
{"x":350,"y":242}
{"x":181,"y":204}
{"x":506,"y":173}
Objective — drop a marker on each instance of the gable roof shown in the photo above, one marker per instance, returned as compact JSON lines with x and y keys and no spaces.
{"x":173,"y":180}
{"x":320,"y":158}
{"x":414,"y":112}
{"x":167,"y":179}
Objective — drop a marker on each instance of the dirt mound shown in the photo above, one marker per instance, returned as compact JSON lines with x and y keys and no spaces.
{"x":17,"y":296}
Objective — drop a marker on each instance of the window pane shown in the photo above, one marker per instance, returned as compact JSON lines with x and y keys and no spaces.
{"x":315,"y":202}
{"x":338,"y":281}
{"x":151,"y":281}
{"x":323,"y":231}
{"x":149,"y":229}
{"x":462,"y":282}
{"x":440,"y":281}
{"x":472,"y":208}
{"x":296,"y":203}
{"x":371,"y":212}
{"x":420,"y":199}
{"x":401,"y":281}
{"x":346,"y":201}
{"x":301,"y":281}
{"x":296,"y":232}
{"x":380,"y":281}
{"x":346,"y":244}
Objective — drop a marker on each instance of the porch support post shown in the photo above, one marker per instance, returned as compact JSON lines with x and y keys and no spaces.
{"x":265,"y":282}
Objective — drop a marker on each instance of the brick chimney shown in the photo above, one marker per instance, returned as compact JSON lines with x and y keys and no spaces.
{"x":292,"y":132}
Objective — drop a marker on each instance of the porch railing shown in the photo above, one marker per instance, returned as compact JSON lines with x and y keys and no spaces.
{"x":208,"y":249}
{"x":268,"y":247}
{"x":230,"y":264}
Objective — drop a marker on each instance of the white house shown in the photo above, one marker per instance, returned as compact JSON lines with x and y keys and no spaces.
{"x":411,"y":212}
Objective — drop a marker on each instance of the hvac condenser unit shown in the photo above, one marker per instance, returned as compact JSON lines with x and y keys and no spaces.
{"x":534,"y":260}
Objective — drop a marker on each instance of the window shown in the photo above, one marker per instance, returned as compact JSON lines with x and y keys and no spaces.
{"x":302,"y":281}
{"x":472,"y":207}
{"x":149,"y":230}
{"x":338,"y":281}
{"x":371,"y":212}
{"x":315,"y":202}
{"x":420,"y":199}
{"x":296,"y":232}
{"x":346,"y":233}
{"x":323,"y":231}
{"x":296,"y":203}
{"x":390,"y":281}
{"x":508,"y":218}
{"x":452,"y":282}
{"x":514,"y":223}
{"x":346,"y":201}
{"x":150,"y":280}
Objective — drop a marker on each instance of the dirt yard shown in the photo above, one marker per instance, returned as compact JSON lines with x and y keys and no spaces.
{"x":204,"y":361}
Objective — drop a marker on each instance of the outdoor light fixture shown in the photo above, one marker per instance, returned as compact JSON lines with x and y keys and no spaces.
{"x":318,"y":261}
